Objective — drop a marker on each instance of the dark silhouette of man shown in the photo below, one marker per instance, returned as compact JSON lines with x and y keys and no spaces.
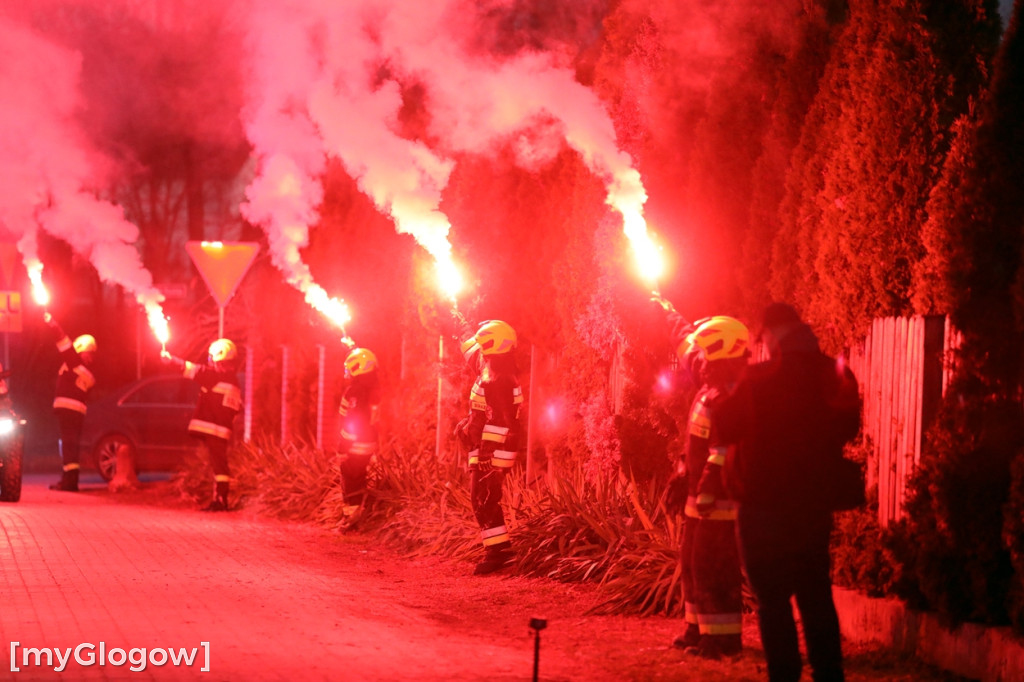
{"x":787,"y":422}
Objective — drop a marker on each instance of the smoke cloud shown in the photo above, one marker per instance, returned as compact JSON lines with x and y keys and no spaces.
{"x":331,"y":79}
{"x":49,"y":171}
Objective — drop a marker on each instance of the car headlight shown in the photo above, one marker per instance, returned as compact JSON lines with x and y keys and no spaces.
{"x":6,"y":426}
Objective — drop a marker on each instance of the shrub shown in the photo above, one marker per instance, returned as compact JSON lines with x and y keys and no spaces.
{"x":949,"y":546}
{"x":611,"y":532}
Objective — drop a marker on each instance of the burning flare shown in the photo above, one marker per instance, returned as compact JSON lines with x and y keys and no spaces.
{"x":449,"y":279}
{"x":35,"y":274}
{"x":158,"y":323}
{"x":51,"y":173}
{"x":334,"y":309}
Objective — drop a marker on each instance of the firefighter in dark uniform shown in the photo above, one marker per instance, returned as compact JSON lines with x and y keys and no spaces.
{"x":714,"y":352}
{"x":491,"y":435}
{"x":74,"y":381}
{"x":220,"y":401}
{"x":359,"y":410}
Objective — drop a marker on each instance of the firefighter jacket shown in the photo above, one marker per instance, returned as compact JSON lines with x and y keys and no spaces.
{"x":74,"y":380}
{"x":220,"y":400}
{"x":359,"y":410}
{"x":789,"y":419}
{"x":706,"y":495}
{"x":492,"y":429}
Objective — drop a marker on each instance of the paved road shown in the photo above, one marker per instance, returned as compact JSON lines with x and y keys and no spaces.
{"x":273,"y":601}
{"x":279,"y":601}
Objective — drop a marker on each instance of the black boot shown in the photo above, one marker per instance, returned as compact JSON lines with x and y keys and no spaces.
{"x":689,"y":638}
{"x":495,"y":559}
{"x":220,"y":498}
{"x":68,"y":481}
{"x":714,"y":647}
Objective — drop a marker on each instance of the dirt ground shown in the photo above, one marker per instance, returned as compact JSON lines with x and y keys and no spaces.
{"x":451,"y":604}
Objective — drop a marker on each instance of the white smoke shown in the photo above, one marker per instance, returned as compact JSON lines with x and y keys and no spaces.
{"x":48,"y":171}
{"x":328,"y":79}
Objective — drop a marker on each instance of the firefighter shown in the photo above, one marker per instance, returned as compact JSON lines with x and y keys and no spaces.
{"x":714,"y":352}
{"x":220,"y":401}
{"x":490,"y":434}
{"x":360,"y":412}
{"x":74,"y":381}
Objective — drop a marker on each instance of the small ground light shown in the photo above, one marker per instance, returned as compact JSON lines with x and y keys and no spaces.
{"x":537,"y":624}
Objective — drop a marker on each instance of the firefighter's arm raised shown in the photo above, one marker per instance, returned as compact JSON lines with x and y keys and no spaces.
{"x":172,"y":360}
{"x":53,"y":324}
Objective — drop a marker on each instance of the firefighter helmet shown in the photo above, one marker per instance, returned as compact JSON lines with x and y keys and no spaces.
{"x":495,"y":337}
{"x":683,"y":350}
{"x":719,"y":338}
{"x":85,"y":344}
{"x":360,"y":361}
{"x":223,"y":350}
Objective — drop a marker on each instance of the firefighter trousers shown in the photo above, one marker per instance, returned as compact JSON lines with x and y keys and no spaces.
{"x":217,"y":452}
{"x":717,"y":585}
{"x":353,"y":477}
{"x":70,"y":424}
{"x":686,"y":563}
{"x":485,"y":496}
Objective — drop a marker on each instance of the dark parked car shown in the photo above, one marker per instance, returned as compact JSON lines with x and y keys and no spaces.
{"x":149,"y":416}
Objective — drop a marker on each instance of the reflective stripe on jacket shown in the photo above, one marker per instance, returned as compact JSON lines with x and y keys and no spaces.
{"x":220,"y":400}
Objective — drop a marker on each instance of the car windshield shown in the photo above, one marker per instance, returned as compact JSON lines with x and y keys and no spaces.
{"x":174,"y":391}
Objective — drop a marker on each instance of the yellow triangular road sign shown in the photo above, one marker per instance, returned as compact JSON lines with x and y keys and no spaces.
{"x":222,"y":265}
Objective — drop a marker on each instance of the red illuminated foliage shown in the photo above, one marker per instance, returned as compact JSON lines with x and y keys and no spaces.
{"x":868,"y":159}
{"x":964,"y":516}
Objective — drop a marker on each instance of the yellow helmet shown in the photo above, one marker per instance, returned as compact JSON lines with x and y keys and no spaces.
{"x":223,"y":350}
{"x":360,"y":361}
{"x":495,"y":337}
{"x":85,"y":344}
{"x":718,"y":338}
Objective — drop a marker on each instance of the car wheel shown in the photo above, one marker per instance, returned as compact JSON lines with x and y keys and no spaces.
{"x":106,"y":454}
{"x":10,"y":472}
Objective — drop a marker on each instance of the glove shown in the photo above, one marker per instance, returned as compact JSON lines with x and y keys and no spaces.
{"x":705,"y":504}
{"x":675,"y":493}
{"x":348,"y":342}
{"x":663,"y":303}
{"x":461,"y":434}
{"x":48,"y":318}
{"x":168,"y":359}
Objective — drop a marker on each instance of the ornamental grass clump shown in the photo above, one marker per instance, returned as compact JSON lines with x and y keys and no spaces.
{"x":611,"y":532}
{"x":292,"y":482}
{"x":571,"y":528}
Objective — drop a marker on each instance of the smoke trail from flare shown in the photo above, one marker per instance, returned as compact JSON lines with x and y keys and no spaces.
{"x":328,"y":81}
{"x":311,"y":97}
{"x":479,"y":100}
{"x":47,"y":169}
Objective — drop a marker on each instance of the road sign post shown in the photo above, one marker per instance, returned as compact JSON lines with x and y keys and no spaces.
{"x":222,"y":265}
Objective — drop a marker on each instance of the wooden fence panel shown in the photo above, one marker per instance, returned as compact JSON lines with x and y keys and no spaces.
{"x":899,"y":366}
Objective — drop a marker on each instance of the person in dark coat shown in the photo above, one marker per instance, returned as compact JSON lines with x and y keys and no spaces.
{"x":787,"y":423}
